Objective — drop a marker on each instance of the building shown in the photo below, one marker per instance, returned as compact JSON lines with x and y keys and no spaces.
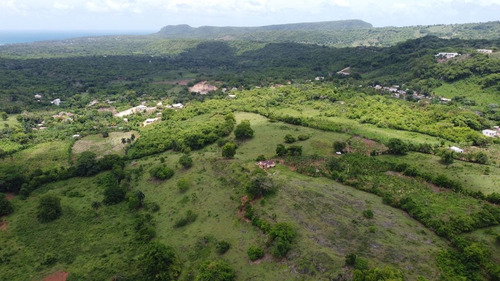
{"x":490,"y":133}
{"x":56,"y":102}
{"x":177,"y":105}
{"x":266,"y":164}
{"x":446,"y":55}
{"x":38,"y":96}
{"x":150,"y":121}
{"x":485,"y":51}
{"x":456,"y":149}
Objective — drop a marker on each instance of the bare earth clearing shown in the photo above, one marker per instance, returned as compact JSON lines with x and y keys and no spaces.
{"x":202,"y":88}
{"x":57,"y":276}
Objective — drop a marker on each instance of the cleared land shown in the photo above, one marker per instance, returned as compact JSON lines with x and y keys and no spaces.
{"x":103,"y":146}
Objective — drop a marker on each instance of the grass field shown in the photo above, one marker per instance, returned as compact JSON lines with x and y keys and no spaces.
{"x":472,"y":90}
{"x":90,"y":245}
{"x":41,"y":156}
{"x":103,"y":146}
{"x":473,"y":176}
{"x":11,"y":121}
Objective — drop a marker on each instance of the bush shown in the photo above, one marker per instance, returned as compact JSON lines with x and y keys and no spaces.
{"x":260,"y":158}
{"x":86,"y":164}
{"x":397,"y":146}
{"x":280,"y":150}
{"x":339,"y":146}
{"x":243,"y":130}
{"x":368,"y":214}
{"x":217,"y":270}
{"x":294,"y":150}
{"x":188,"y":218}
{"x":260,"y":185}
{"x":254,"y":253}
{"x":289,"y":138}
{"x":222,"y":247}
{"x":6,"y":207}
{"x":49,"y":208}
{"x":183,"y":185}
{"x":303,"y":137}
{"x":282,"y":236}
{"x":160,"y":262}
{"x":161,"y":172}
{"x":229,"y":150}
{"x":186,"y":161}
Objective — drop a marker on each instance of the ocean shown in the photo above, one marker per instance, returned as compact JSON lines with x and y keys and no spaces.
{"x":12,"y":37}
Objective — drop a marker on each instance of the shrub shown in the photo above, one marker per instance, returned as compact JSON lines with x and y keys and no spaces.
{"x":222,"y":247}
{"x":289,"y":138}
{"x":49,"y":208}
{"x":160,"y":262}
{"x":217,"y":270}
{"x":243,"y":130}
{"x":280,"y":150}
{"x":303,"y":137}
{"x":254,"y":253}
{"x":86,"y":164}
{"x":260,"y":185}
{"x":368,"y":214}
{"x":282,"y":236}
{"x":397,"y":146}
{"x":161,"y":172}
{"x":260,"y":158}
{"x":186,"y":161}
{"x":6,"y":207}
{"x":183,"y":185}
{"x":229,"y":150}
{"x":350,"y":259}
{"x":339,"y":146}
{"x":294,"y":150}
{"x":113,"y":194}
{"x":188,"y":218}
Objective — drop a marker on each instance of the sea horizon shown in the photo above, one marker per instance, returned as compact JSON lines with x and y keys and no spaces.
{"x":30,"y":36}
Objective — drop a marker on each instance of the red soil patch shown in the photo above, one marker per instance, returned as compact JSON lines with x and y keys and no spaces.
{"x":4,"y":225}
{"x":10,"y":196}
{"x":57,"y":276}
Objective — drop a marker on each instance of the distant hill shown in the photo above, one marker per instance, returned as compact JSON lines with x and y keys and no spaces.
{"x":349,"y":33}
{"x":213,"y":32}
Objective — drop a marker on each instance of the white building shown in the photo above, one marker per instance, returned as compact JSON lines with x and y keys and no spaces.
{"x":456,"y":149}
{"x":150,"y":121}
{"x":56,"y":102}
{"x":485,"y":51}
{"x":490,"y":133}
{"x":447,"y":55}
{"x":177,"y":105}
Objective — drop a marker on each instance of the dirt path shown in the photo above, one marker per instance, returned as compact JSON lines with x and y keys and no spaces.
{"x":4,"y":225}
{"x":10,"y":196}
{"x":57,"y":276}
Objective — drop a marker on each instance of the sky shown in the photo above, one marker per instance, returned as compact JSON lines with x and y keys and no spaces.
{"x":151,"y":15}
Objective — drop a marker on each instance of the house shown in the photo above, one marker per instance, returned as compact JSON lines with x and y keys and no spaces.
{"x":177,"y":105}
{"x":150,"y":121}
{"x":445,"y":100}
{"x":378,"y":87}
{"x":446,"y":55}
{"x":490,"y":133}
{"x":266,"y":164}
{"x":75,"y":136}
{"x":56,"y":102}
{"x":317,"y":78}
{"x":456,"y":149}
{"x":38,"y":96}
{"x":231,"y":96}
{"x":484,"y":51}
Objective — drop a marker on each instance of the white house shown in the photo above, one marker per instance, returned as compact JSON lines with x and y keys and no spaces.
{"x":38,"y":96}
{"x":485,"y":51}
{"x":456,"y":149}
{"x":490,"y":133}
{"x":447,"y":55}
{"x":150,"y":121}
{"x":177,"y":105}
{"x":56,"y":102}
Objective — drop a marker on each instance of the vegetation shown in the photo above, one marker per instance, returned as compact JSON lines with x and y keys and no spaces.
{"x":395,"y":195}
{"x":49,"y":208}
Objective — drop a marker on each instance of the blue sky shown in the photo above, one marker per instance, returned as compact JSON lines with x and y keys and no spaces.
{"x":154,"y":14}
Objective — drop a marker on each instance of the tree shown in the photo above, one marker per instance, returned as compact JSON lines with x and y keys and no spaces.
{"x":339,"y":146}
{"x":294,"y":150}
{"x":162,"y":172}
{"x":289,"y":138}
{"x":282,"y":236}
{"x":217,"y":270}
{"x":186,"y":161}
{"x":229,"y":150}
{"x":183,"y":185}
{"x":447,"y":157}
{"x":243,"y":130}
{"x":160,"y":262}
{"x":86,"y":164}
{"x":397,"y":146}
{"x":5,"y":116}
{"x":280,"y":150}
{"x":254,"y":253}
{"x":49,"y":208}
{"x":6,"y":207}
{"x":260,"y":186}
{"x":105,"y":134}
{"x":222,"y":247}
